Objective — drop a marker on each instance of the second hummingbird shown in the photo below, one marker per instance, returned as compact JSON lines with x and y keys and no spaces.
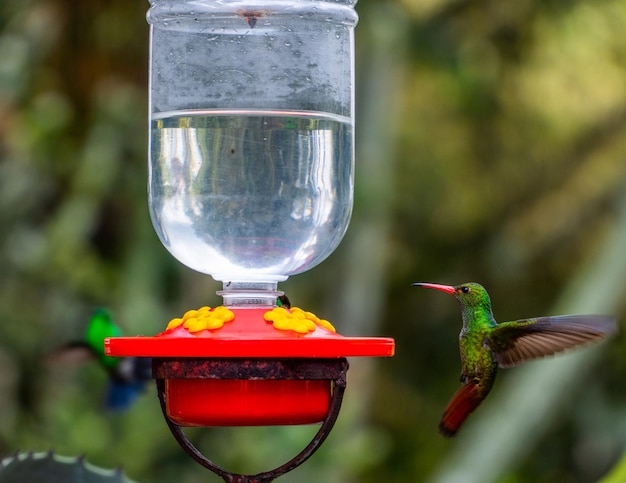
{"x":127,"y":375}
{"x":486,"y":345}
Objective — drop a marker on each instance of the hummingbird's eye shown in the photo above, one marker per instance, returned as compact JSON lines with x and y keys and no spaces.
{"x":465,"y":289}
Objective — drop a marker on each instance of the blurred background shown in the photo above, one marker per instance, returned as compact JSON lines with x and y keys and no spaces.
{"x":491,"y":147}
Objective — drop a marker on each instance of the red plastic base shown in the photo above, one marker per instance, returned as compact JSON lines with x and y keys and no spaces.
{"x":232,"y":402}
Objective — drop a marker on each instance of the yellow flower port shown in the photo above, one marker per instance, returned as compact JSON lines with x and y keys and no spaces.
{"x":296,"y":319}
{"x":203,"y":318}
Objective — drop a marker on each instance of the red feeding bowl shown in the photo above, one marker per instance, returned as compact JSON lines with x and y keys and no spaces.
{"x":199,"y":393}
{"x":232,"y":402}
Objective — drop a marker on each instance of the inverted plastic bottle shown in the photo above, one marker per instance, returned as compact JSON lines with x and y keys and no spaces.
{"x":251,"y":141}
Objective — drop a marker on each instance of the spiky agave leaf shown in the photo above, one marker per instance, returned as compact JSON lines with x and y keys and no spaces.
{"x":31,"y":467}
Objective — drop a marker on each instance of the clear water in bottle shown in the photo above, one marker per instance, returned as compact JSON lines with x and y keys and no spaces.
{"x":250,"y":195}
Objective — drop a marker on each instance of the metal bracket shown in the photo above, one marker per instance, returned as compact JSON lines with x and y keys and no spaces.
{"x":314,"y":369}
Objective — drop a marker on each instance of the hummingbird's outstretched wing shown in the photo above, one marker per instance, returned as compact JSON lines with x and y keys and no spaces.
{"x":515,"y":342}
{"x":75,"y":352}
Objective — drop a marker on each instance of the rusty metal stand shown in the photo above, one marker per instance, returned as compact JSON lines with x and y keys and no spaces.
{"x":313,"y":369}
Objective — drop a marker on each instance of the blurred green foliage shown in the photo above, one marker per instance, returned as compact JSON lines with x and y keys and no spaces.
{"x":491,"y":146}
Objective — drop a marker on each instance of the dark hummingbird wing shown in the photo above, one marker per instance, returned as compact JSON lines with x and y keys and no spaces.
{"x":72,"y":353}
{"x":515,"y":342}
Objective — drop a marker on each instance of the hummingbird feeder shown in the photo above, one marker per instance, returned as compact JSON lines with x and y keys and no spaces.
{"x":251,"y":181}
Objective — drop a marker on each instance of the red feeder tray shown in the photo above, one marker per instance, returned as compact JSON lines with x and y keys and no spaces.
{"x":246,"y":403}
{"x":248,"y":373}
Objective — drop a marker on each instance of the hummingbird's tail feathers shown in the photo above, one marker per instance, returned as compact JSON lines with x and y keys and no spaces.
{"x":121,"y":395}
{"x":515,"y":342}
{"x":464,"y":402}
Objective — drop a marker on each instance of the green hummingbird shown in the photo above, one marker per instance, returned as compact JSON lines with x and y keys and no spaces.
{"x":127,"y":375}
{"x":486,"y":345}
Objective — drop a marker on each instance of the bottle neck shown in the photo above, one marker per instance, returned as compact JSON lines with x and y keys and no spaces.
{"x":250,"y":294}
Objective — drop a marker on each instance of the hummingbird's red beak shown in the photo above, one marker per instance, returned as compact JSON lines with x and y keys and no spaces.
{"x":443,"y":288}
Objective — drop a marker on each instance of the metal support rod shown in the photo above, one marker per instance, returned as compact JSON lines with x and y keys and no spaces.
{"x":326,"y":369}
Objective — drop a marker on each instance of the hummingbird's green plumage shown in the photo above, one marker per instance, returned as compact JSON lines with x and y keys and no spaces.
{"x":486,"y":345}
{"x":100,"y":327}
